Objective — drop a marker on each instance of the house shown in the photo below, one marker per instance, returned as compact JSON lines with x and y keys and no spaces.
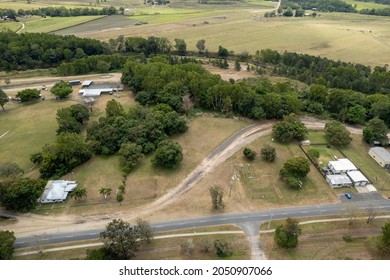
{"x":381,"y":156}
{"x":357,"y":178}
{"x":57,"y":191}
{"x":338,"y":181}
{"x":341,"y":166}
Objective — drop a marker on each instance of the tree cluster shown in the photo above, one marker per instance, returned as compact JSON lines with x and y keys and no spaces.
{"x":294,"y":171}
{"x":61,"y":89}
{"x":289,"y":129}
{"x":138,"y":132}
{"x":385,"y":12}
{"x":319,"y":5}
{"x":286,"y":235}
{"x":28,"y":95}
{"x":58,"y":12}
{"x":337,"y":134}
{"x":21,"y":194}
{"x":7,"y":241}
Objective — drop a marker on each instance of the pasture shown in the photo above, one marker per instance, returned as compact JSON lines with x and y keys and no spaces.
{"x":10,"y":25}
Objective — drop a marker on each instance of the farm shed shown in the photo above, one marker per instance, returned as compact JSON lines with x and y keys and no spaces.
{"x":86,"y":84}
{"x":341,"y":166}
{"x":357,"y":178}
{"x":381,"y":156}
{"x":57,"y":191}
{"x":338,"y":181}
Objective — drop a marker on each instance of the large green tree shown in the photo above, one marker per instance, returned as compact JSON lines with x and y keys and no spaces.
{"x":130,"y":155}
{"x":289,"y":129}
{"x":22,"y":194}
{"x":7,"y":241}
{"x":337,"y":134}
{"x":120,"y":240}
{"x":286,"y":236}
{"x":3,"y":98}
{"x":28,"y":95}
{"x":384,"y":242}
{"x":180,"y":46}
{"x":61,"y":89}
{"x":297,"y":167}
{"x":168,"y":154}
{"x":376,"y":130}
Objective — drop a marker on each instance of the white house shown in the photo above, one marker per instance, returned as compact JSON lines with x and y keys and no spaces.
{"x":341,"y":166}
{"x":381,"y":156}
{"x":338,"y":181}
{"x":57,"y":191}
{"x":357,"y":178}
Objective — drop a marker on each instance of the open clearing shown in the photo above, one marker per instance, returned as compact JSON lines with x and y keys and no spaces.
{"x":324,"y":241}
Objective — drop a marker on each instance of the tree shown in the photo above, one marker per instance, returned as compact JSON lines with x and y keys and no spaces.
{"x":297,"y":167}
{"x":337,"y":134}
{"x":288,"y":12}
{"x":289,"y":129}
{"x":145,"y":230}
{"x":201,"y":46}
{"x":356,"y":114}
{"x":188,"y":247}
{"x":119,"y":198}
{"x":222,"y":52}
{"x":120,"y":240}
{"x":22,"y":194}
{"x":384,"y":243}
{"x":268,"y":153}
{"x":10,"y":170}
{"x":249,"y":154}
{"x":66,"y":122}
{"x":372,"y":212}
{"x":216,"y":194}
{"x":105,"y":192}
{"x":79,"y":112}
{"x":237,"y":65}
{"x":181,"y":46}
{"x":168,"y":154}
{"x":79,"y":193}
{"x":61,"y":89}
{"x":7,"y":241}
{"x":28,"y":95}
{"x":314,"y":154}
{"x":114,"y":109}
{"x":222,"y":248}
{"x":3,"y":98}
{"x":286,"y":236}
{"x":130,"y":155}
{"x":376,"y":130}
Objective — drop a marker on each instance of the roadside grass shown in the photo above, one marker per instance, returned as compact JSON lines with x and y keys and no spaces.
{"x":49,"y":24}
{"x":358,"y":154}
{"x":324,"y":241}
{"x":167,"y":248}
{"x":10,"y":25}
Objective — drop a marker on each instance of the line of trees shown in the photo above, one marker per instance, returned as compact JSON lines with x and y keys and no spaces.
{"x":319,"y":5}
{"x":385,"y":12}
{"x":59,"y":12}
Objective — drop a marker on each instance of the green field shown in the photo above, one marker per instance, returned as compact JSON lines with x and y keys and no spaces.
{"x":10,"y":25}
{"x":39,"y":24}
{"x":365,"y":5}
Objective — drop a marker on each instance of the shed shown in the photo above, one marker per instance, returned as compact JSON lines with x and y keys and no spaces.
{"x":74,"y":82}
{"x":381,"y":156}
{"x":86,"y":84}
{"x":341,"y":166}
{"x":57,"y":191}
{"x":305,"y":143}
{"x":357,"y":178}
{"x":338,"y":181}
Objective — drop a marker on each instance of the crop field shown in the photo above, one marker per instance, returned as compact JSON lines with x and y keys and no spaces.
{"x":348,"y":37}
{"x":39,"y":24}
{"x":324,"y":241}
{"x":103,"y":25}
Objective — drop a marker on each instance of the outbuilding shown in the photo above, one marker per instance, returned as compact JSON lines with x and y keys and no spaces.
{"x":381,"y":156}
{"x":338,"y":181}
{"x":357,"y":178}
{"x":341,"y":166}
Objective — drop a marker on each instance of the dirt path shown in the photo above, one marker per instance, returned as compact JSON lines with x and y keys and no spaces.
{"x":29,"y":224}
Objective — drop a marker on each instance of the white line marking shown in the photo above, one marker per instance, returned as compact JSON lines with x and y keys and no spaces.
{"x":4,"y":134}
{"x":69,"y":236}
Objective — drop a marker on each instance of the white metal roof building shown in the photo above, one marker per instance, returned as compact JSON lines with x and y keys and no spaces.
{"x":86,"y":83}
{"x":357,"y":178}
{"x":381,"y":156}
{"x":57,"y":191}
{"x":340,"y":166}
{"x":338,"y":181}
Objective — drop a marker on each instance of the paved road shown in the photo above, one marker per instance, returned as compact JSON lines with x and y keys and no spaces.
{"x":257,"y":217}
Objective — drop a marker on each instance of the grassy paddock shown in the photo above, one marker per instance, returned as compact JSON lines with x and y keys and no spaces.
{"x":325,"y":241}
{"x":10,"y":25}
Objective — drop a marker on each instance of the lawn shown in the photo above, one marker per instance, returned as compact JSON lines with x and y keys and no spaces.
{"x":10,"y":25}
{"x":324,"y":241}
{"x":49,"y":24}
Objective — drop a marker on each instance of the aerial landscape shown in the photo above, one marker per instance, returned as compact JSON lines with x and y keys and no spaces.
{"x":195,"y":130}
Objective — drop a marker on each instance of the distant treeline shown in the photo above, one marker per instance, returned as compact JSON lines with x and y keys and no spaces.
{"x":384,"y":2}
{"x":319,"y":5}
{"x":376,"y":12}
{"x":59,"y":12}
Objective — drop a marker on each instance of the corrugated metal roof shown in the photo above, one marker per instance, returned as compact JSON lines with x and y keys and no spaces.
{"x":382,"y":153}
{"x":357,"y":176}
{"x":339,"y":179}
